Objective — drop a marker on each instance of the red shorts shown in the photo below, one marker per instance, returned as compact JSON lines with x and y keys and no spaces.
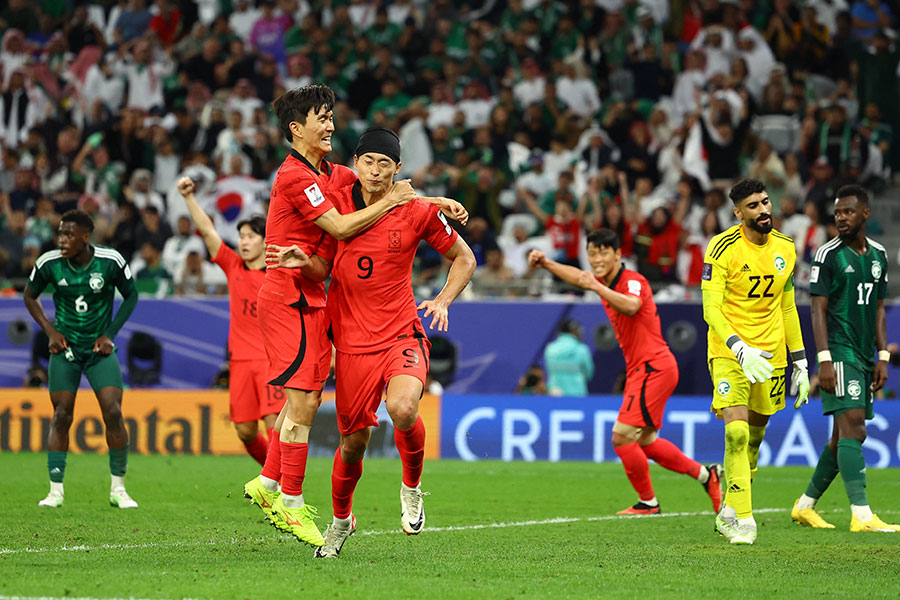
{"x":647,"y":389}
{"x":362,"y":379}
{"x":297,"y":344}
{"x":250,"y":396}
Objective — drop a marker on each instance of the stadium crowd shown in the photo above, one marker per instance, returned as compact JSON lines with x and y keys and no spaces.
{"x":546,"y":119}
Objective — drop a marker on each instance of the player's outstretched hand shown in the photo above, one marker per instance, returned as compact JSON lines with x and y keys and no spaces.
{"x":753,"y":361}
{"x":536,"y":258}
{"x":58,"y":342}
{"x":185,"y":186}
{"x":401,"y":193}
{"x":800,"y":383}
{"x":455,"y":210}
{"x":104,"y":346}
{"x":440,"y":313}
{"x":290,"y":257}
{"x":827,"y":376}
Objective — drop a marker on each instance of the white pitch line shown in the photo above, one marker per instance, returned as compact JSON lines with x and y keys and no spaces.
{"x":234,"y":541}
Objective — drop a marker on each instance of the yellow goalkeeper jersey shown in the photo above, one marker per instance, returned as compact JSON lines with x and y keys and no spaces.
{"x":755,"y":285}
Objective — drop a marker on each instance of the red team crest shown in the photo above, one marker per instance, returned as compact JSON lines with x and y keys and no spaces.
{"x":394,"y":240}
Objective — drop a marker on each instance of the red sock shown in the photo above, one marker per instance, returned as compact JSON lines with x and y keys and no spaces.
{"x":411,"y":445}
{"x":272,"y":466}
{"x":344,"y":477}
{"x":669,"y":456}
{"x":258,"y":448}
{"x":293,"y":467}
{"x":637,"y":469}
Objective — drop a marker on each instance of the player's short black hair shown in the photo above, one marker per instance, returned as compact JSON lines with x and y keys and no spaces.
{"x":604,"y":237}
{"x":295,"y":104}
{"x":79,"y":217}
{"x":845,"y":191}
{"x":257,"y":223}
{"x":746,"y":188}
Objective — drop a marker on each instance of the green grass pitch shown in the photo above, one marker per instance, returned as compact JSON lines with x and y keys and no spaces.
{"x":494,"y":530}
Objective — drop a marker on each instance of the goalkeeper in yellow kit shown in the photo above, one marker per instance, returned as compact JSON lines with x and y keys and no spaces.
{"x":748,"y":303}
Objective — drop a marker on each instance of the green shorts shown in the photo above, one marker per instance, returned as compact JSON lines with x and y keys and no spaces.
{"x":64,"y":372}
{"x":852,"y":389}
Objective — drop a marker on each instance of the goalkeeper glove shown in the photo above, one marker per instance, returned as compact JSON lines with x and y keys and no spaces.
{"x":752,"y":360}
{"x":800,"y":382}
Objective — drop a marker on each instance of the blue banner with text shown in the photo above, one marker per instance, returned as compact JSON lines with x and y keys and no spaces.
{"x":476,"y":427}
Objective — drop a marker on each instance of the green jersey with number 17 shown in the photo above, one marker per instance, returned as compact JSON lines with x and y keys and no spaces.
{"x":853,"y":284}
{"x":83,"y":295}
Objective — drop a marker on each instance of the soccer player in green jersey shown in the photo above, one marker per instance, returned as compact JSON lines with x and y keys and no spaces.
{"x":84,"y":278}
{"x":848,"y":283}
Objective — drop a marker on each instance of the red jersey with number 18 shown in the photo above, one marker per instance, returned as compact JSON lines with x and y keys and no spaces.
{"x":245,"y":340}
{"x":640,"y":335}
{"x":300,"y":195}
{"x":371,"y":301}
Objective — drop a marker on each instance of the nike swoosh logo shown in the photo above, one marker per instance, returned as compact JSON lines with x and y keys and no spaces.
{"x":421,"y":520}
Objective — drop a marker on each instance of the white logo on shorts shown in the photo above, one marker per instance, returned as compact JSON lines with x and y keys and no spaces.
{"x":854,"y":389}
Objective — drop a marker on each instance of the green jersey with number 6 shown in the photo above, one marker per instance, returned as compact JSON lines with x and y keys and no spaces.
{"x":853,"y":284}
{"x":83,"y":295}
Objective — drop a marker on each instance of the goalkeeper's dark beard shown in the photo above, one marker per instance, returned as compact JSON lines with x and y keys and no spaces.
{"x":760,"y":227}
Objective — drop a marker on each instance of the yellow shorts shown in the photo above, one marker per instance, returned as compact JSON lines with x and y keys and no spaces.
{"x":732,"y":388}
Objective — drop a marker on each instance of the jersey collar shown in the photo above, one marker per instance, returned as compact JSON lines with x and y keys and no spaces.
{"x":356,"y":193}
{"x":616,"y":279}
{"x":325,"y":166}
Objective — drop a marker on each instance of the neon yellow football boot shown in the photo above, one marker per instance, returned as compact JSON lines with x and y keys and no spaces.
{"x":875,"y":524}
{"x":263,"y":498}
{"x":300,"y":522}
{"x":809,"y":517}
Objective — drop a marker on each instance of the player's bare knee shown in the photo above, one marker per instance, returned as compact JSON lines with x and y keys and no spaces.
{"x":353,"y":448}
{"x":62,"y":417}
{"x":246,"y":432}
{"x":404,"y":411}
{"x":112,"y":417}
{"x":624,"y":434}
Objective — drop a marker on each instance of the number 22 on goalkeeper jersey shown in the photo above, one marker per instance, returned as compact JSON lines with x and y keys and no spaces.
{"x":753,"y":279}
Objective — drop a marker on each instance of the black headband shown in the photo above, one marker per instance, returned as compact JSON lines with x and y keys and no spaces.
{"x":380,"y":140}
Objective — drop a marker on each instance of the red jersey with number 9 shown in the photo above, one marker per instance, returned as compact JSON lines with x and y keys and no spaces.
{"x":245,"y":340}
{"x":371,"y":301}
{"x":640,"y":335}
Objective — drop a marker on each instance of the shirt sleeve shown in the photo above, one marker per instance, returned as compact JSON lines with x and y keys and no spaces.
{"x":37,"y":280}
{"x":883,"y":282}
{"x":327,"y":247}
{"x":713,"y":283}
{"x":227,"y":259}
{"x":303,"y":193}
{"x":820,"y":277}
{"x":437,"y":231}
{"x":793,"y":334}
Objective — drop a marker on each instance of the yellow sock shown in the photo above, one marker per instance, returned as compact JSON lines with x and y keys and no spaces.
{"x":737,"y":468}
{"x":756,"y":438}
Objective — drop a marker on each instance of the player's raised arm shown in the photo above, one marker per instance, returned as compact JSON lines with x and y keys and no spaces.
{"x":449,"y":207}
{"x":345,"y":226}
{"x":626,"y":304}
{"x":201,"y":220}
{"x":461,"y":269}
{"x":794,"y":338}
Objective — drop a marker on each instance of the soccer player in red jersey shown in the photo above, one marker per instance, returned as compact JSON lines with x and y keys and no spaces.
{"x":380,"y":341}
{"x":291,"y":307}
{"x":251,"y":396}
{"x":652,"y":372}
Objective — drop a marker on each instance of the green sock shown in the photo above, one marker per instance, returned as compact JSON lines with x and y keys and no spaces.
{"x":826,"y":471}
{"x":853,"y":470}
{"x":118,"y":461}
{"x":756,"y":439}
{"x":56,"y":464}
